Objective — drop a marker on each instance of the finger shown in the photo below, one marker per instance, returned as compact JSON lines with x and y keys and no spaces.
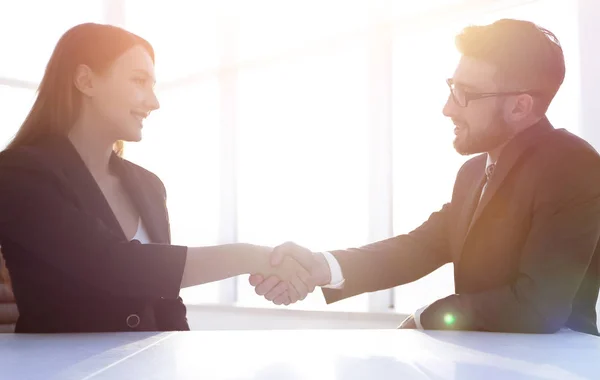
{"x":406,"y":322}
{"x":293,"y":295}
{"x":268,"y":284}
{"x":283,"y":299}
{"x":300,"y":288}
{"x":280,"y":252}
{"x":6,"y":294}
{"x":8,"y":313}
{"x":255,"y":279}
{"x":307,"y":279}
{"x":7,"y":328}
{"x":278,"y":290}
{"x":302,"y":255}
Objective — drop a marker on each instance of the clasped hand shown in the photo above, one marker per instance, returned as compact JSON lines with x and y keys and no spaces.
{"x":294,"y":272}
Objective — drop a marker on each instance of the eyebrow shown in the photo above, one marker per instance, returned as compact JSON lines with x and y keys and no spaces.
{"x":146,"y":74}
{"x":465,"y":85}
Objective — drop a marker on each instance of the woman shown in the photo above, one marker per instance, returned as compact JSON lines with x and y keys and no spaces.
{"x":85,"y":233}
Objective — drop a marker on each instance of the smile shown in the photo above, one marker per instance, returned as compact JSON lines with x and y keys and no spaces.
{"x":139,"y":115}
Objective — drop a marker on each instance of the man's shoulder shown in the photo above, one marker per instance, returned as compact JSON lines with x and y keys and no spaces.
{"x":564,"y":140}
{"x":563,"y":149}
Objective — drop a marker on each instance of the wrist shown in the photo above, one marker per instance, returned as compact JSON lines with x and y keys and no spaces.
{"x":259,"y":259}
{"x":322,"y":272}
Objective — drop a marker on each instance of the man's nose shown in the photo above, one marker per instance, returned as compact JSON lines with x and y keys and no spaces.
{"x":450,"y":108}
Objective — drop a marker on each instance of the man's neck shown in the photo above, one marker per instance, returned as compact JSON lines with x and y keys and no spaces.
{"x":495,"y":153}
{"x":492,"y":156}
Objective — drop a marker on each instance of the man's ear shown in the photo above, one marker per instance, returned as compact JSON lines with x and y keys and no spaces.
{"x":83,"y":79}
{"x":522,"y":107}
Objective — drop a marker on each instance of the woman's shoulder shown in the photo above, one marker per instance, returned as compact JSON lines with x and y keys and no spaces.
{"x":39,"y":155}
{"x":146,"y":175}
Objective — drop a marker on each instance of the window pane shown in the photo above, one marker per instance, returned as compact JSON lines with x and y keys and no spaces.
{"x":402,"y":9}
{"x":182,"y":32}
{"x":16,"y":105}
{"x":181,"y":146}
{"x":425,"y":163}
{"x":424,"y":157}
{"x":269,"y":27}
{"x":303,"y":157}
{"x":31,"y":29}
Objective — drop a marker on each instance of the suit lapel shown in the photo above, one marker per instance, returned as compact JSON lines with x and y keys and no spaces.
{"x":85,"y":187}
{"x":475,"y":181}
{"x":147,"y":199}
{"x":510,"y":155}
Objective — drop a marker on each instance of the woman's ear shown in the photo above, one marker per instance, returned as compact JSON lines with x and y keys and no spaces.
{"x":83,"y":79}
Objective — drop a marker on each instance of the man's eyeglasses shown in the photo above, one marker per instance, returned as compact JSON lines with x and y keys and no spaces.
{"x":462,"y":97}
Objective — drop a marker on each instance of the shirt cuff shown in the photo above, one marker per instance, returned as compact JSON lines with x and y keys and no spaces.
{"x":337,"y":277}
{"x":417,"y":317}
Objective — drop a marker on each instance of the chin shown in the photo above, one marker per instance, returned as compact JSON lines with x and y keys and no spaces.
{"x":463,"y":147}
{"x":136,"y":138}
{"x":132,"y":136}
{"x":459,"y":145}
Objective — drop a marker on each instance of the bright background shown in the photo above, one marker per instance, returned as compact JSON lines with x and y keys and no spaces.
{"x":316,"y":121}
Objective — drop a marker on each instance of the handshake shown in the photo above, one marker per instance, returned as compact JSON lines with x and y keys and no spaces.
{"x":293,"y":272}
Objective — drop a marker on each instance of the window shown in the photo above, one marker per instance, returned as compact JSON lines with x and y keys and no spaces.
{"x":401,"y":10}
{"x":295,"y":87}
{"x":184,"y":134}
{"x":183,"y":33}
{"x":303,"y":156}
{"x":31,"y":29}
{"x":425,"y":163}
{"x":18,"y":102}
{"x":269,"y":28}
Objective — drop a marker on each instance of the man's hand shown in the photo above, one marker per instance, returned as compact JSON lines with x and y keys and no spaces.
{"x":275,"y":290}
{"x":408,"y":323}
{"x":8,"y":308}
{"x":292,"y":278}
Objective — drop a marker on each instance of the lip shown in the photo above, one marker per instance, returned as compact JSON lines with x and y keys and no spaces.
{"x":140,"y":116}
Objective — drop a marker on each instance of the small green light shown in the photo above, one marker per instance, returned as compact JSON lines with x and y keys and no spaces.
{"x":449,"y":319}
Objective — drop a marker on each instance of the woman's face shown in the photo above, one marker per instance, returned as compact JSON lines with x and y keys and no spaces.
{"x":121,"y":98}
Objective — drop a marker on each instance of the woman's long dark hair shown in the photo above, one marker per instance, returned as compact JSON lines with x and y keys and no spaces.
{"x":58,"y":101}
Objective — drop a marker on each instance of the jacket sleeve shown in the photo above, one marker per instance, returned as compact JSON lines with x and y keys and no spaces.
{"x":395,"y":261}
{"x":38,"y":218}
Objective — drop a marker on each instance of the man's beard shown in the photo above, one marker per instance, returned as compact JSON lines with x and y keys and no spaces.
{"x":494,"y":135}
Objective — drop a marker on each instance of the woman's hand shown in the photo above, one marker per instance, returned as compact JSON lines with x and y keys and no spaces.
{"x":293,"y":281}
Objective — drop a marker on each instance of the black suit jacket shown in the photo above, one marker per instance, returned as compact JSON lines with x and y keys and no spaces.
{"x":525,"y":256}
{"x":72,"y":267}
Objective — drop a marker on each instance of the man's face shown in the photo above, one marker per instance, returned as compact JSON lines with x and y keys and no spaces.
{"x":480,"y":125}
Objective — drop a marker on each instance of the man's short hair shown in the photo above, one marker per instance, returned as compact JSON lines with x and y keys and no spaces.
{"x":527,"y":56}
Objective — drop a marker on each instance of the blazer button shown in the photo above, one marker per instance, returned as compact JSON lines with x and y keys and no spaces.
{"x":133,"y":321}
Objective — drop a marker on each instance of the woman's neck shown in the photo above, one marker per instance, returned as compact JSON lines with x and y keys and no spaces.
{"x":94,"y":151}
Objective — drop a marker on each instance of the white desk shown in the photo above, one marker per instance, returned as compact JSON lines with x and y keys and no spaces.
{"x":300,"y":354}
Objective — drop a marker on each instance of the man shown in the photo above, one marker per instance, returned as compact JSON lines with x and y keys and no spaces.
{"x":8,"y":306}
{"x":523,"y":222}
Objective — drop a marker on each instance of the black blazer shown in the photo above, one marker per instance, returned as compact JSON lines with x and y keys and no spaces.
{"x":525,"y":256}
{"x":71,"y":265}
